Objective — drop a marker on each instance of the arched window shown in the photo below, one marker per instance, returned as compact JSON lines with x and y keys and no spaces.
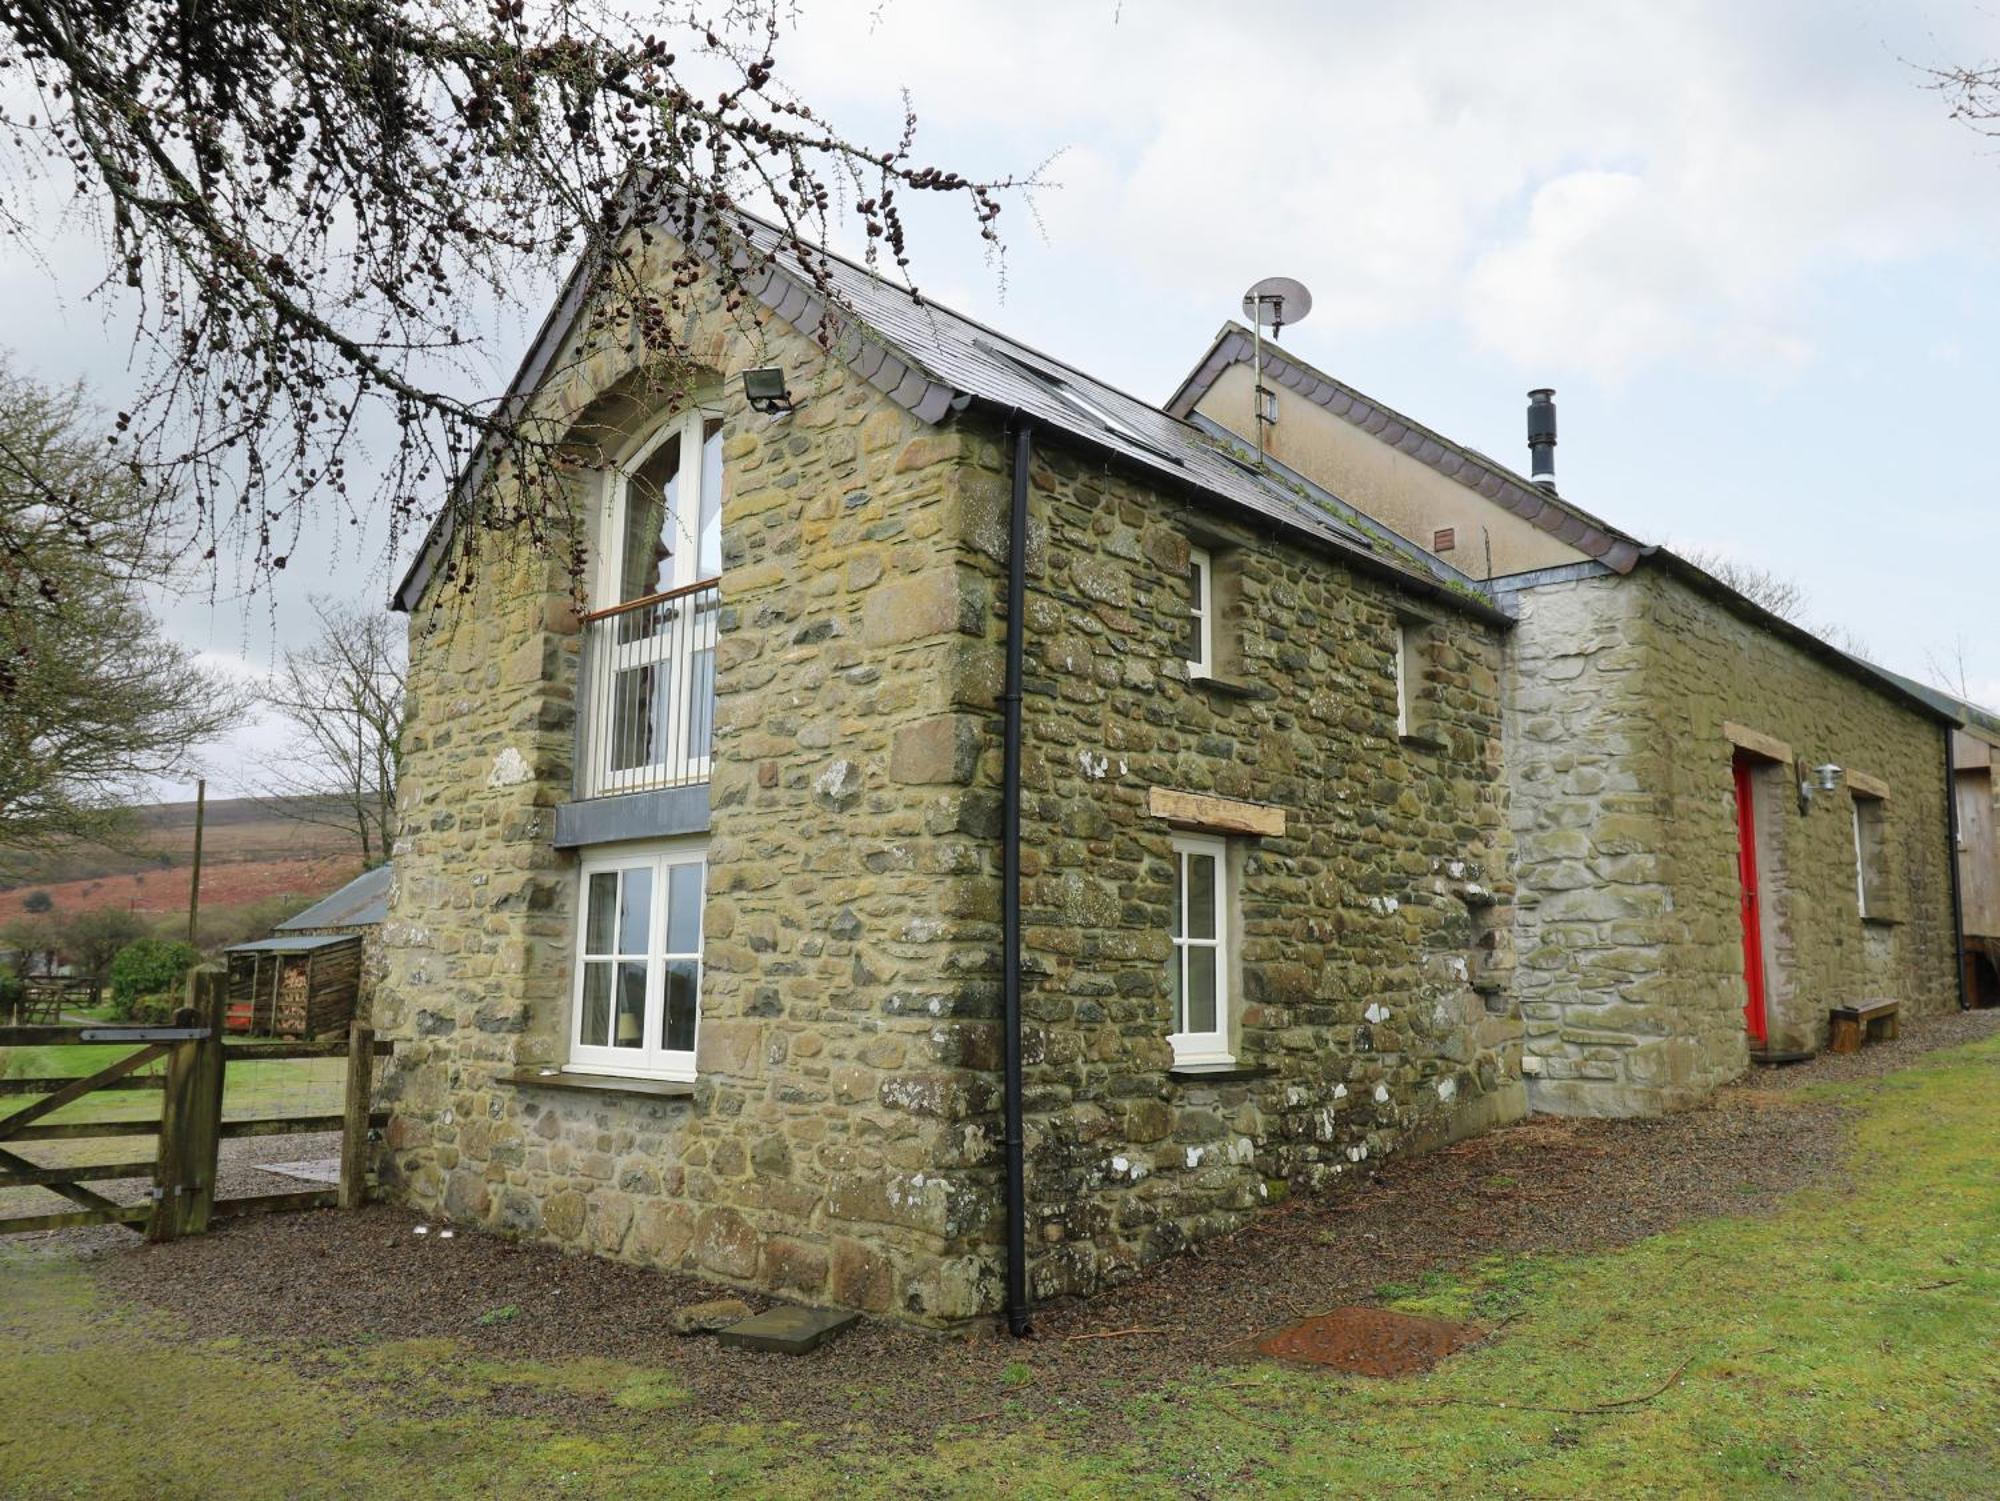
{"x":662,"y":525}
{"x":648,"y":707}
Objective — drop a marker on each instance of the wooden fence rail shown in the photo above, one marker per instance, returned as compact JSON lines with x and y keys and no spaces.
{"x":190,"y":1126}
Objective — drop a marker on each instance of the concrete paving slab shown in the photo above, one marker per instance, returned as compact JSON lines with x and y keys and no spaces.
{"x":786,"y":1330}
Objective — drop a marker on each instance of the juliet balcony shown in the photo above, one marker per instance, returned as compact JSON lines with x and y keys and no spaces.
{"x":645,"y":717}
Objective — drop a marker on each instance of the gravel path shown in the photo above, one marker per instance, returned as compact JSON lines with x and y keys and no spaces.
{"x":304,"y":1282}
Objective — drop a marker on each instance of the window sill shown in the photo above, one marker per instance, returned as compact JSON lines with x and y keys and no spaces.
{"x":632,"y":1084}
{"x":1223,"y":687}
{"x":1880,"y":920}
{"x":1219,"y":1073}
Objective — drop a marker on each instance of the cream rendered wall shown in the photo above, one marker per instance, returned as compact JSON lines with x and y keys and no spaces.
{"x":1401,"y":492}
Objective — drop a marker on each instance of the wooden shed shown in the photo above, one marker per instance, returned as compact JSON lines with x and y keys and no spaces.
{"x":294,"y":985}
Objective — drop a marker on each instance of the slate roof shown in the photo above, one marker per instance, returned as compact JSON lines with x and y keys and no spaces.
{"x":292,"y":943}
{"x":1970,"y":715}
{"x":933,"y":361}
{"x":362,"y":902}
{"x":1472,"y":469}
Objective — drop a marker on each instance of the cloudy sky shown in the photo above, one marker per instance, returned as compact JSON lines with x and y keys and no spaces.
{"x":1747,"y":246}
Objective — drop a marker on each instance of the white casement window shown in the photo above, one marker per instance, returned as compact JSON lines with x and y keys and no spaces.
{"x":1868,"y":854}
{"x":652,"y":683}
{"x":1201,"y":613}
{"x":1198,"y":971}
{"x":638,"y":960}
{"x":662,"y":521}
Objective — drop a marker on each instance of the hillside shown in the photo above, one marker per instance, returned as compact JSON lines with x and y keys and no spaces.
{"x":235,"y":830}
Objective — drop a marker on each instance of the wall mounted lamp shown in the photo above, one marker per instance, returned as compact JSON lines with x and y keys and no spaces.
{"x":766,"y":391}
{"x":1813,"y":779}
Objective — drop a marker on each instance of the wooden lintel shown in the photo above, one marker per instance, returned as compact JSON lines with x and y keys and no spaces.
{"x":1867,"y":786}
{"x":1222,"y":815}
{"x":1756,"y":742}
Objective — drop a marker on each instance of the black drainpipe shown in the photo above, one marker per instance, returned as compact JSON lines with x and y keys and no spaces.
{"x":1018,"y":1320}
{"x":1957,"y":896}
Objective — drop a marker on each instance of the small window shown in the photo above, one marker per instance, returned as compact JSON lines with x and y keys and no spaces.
{"x":1201,"y":613}
{"x":1409,"y":669}
{"x":1444,"y":539}
{"x":638,"y":969}
{"x":1198,"y":971}
{"x":1868,"y":851}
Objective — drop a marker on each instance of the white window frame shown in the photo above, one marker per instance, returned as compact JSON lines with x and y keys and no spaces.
{"x":1201,"y":609}
{"x":1880,"y":813}
{"x":1193,"y":1049}
{"x":650,"y":1060}
{"x":684,"y":428}
{"x":683,"y":713}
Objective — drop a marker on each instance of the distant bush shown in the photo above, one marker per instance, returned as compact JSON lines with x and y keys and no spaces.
{"x":10,"y":990}
{"x":150,"y":967}
{"x":156,"y":1010}
{"x":37,"y":901}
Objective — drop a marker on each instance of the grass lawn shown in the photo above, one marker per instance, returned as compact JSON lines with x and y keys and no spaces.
{"x":1846,"y":1344}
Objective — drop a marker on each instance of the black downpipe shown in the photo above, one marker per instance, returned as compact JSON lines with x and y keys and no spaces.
{"x":1957,"y":894}
{"x":1018,"y":1311}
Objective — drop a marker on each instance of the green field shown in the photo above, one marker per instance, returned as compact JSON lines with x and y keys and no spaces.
{"x":252,"y":1088}
{"x":1841,"y":1346}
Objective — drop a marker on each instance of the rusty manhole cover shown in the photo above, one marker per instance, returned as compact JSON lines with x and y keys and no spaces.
{"x":1370,"y":1341}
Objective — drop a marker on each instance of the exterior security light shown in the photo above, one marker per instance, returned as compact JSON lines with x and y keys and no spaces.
{"x":1829,"y":776}
{"x":765,"y":390}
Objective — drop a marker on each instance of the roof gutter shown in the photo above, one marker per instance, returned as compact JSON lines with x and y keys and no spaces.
{"x":1706,"y":583}
{"x":1361,"y":561}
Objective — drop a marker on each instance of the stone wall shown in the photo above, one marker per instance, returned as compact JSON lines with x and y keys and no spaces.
{"x":1630,"y":972}
{"x":1373,"y":1014}
{"x":842,"y":1143}
{"x":824,"y":1152}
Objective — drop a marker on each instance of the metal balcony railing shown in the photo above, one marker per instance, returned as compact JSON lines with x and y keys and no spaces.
{"x":646,"y":702}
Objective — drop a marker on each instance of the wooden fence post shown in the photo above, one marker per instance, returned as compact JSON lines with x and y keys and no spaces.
{"x":354,"y":1126}
{"x":191,"y":1116}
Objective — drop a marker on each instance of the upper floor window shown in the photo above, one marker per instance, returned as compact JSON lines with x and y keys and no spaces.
{"x":1405,"y":685}
{"x":638,"y":962}
{"x":662,"y":526}
{"x":1201,"y":613}
{"x":1413,"y":647}
{"x":1198,"y":970}
{"x":646,"y":709}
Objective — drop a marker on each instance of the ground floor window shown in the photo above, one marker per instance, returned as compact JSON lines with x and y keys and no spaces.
{"x":638,"y":960}
{"x":1198,"y":971}
{"x":1869,"y":844}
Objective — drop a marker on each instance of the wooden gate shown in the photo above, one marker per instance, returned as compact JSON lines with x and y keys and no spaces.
{"x":190,"y":1127}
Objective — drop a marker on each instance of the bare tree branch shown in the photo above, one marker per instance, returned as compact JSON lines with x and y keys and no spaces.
{"x":306,"y":199}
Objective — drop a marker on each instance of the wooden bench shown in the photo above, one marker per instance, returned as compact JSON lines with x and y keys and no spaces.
{"x":1864,"y":1021}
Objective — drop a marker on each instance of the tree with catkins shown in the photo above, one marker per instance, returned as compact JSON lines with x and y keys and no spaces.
{"x":306,"y":200}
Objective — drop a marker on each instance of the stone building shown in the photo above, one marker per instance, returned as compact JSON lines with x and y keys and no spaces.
{"x":1724,"y":825}
{"x":701,"y":950}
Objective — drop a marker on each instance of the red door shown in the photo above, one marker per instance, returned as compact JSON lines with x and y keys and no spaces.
{"x":1753,"y":919}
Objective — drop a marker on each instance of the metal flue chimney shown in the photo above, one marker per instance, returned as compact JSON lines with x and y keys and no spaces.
{"x":1542,"y":437}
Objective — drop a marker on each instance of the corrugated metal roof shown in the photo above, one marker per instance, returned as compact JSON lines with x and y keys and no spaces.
{"x":293,"y":943}
{"x":362,"y":902}
{"x":933,"y":361}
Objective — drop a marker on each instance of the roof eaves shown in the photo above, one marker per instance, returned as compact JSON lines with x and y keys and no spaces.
{"x":1889,"y":684}
{"x":873,"y":359}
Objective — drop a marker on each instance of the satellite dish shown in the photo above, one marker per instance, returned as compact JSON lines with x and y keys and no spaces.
{"x":1276,"y":301}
